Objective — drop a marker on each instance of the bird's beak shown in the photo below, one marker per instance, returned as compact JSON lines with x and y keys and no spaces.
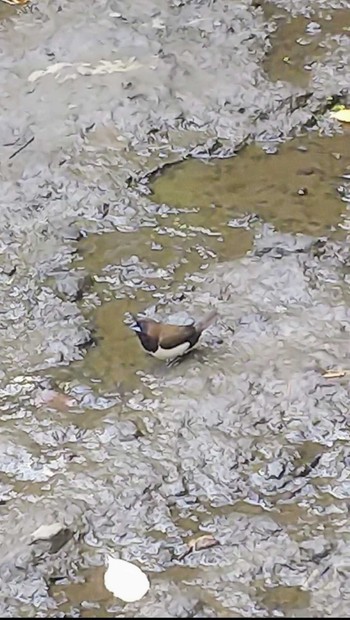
{"x":133,"y":325}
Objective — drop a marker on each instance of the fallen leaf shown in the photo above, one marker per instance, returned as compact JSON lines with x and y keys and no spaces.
{"x":56,"y":400}
{"x":125,"y":580}
{"x":341,"y":115}
{"x":15,"y":2}
{"x":335,"y":374}
{"x":336,"y":106}
{"x":201,"y":542}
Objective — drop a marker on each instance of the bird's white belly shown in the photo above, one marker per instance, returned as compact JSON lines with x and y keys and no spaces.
{"x":169,"y":354}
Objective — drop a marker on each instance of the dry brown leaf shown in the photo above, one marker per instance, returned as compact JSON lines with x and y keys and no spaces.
{"x":54,"y":399}
{"x":200,"y":542}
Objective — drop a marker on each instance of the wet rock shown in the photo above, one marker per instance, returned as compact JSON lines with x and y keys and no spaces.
{"x":47,"y":532}
{"x":302,"y":191}
{"x":9,"y":270}
{"x":72,"y":285}
{"x":276,"y":470}
{"x":129,"y":431}
{"x":73,"y":233}
{"x":317,"y":548}
{"x":270,"y":242}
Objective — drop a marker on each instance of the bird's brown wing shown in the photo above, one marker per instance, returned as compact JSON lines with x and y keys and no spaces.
{"x":178,"y":335}
{"x":148,"y":342}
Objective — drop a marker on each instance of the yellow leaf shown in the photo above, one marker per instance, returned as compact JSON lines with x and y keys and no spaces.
{"x":337,"y":106}
{"x":341,"y":115}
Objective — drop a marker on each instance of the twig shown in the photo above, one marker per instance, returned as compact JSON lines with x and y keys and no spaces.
{"x":336,"y":374}
{"x":22,"y":147}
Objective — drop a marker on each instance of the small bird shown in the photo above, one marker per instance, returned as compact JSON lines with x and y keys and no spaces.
{"x":166,"y":341}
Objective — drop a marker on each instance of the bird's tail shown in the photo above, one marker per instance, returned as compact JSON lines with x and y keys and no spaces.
{"x":206,"y":321}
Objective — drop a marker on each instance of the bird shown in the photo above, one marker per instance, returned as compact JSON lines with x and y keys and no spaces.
{"x":167,"y":341}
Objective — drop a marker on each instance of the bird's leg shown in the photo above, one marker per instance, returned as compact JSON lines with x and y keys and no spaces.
{"x":174,"y":362}
{"x":179,"y":359}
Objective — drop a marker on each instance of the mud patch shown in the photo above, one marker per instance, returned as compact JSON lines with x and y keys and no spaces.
{"x":286,"y":599}
{"x":297,"y":189}
{"x":299,"y":41}
{"x":135,"y":270}
{"x":149,"y":456}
